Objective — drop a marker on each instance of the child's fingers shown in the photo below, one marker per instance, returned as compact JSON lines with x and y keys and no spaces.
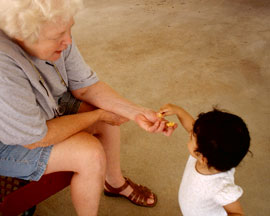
{"x":167,"y":109}
{"x":160,"y":115}
{"x":165,"y":106}
{"x":164,"y":112}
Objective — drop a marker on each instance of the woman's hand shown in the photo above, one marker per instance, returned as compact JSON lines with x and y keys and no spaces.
{"x":112,"y":118}
{"x":149,"y":121}
{"x":149,"y":124}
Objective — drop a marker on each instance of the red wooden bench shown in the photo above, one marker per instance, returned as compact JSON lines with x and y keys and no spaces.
{"x":17,"y":196}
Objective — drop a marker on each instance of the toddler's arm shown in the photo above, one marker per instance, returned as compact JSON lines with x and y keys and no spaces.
{"x":234,"y":209}
{"x":184,"y":117}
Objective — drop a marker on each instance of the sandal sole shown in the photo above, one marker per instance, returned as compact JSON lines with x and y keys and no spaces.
{"x":109,"y":194}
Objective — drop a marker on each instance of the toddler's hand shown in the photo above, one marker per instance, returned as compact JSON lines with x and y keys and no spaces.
{"x":167,"y":110}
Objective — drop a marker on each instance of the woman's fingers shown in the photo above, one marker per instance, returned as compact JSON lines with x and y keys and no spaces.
{"x":154,"y":127}
{"x":170,"y":129}
{"x":161,"y":125}
{"x":158,"y":126}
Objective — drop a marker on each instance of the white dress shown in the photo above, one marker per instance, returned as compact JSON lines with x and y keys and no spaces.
{"x":205,"y":195}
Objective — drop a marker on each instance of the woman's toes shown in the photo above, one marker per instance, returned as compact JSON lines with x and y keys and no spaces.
{"x":150,"y":201}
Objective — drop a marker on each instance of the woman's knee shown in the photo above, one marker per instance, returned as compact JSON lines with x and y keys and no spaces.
{"x":81,"y":153}
{"x":90,"y":154}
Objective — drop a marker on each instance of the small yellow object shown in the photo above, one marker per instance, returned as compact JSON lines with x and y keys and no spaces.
{"x":159,"y":115}
{"x":170,"y":124}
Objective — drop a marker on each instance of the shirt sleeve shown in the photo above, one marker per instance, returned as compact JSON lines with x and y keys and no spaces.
{"x":228,"y":193}
{"x":79,"y":73}
{"x":21,"y":119}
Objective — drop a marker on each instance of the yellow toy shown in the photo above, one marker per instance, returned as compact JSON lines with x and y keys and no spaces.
{"x":159,"y":115}
{"x":170,"y":124}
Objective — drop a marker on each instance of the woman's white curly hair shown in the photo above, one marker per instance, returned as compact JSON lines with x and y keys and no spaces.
{"x":23,"y":19}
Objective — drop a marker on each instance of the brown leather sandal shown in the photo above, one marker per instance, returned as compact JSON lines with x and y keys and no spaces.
{"x":138,"y":196}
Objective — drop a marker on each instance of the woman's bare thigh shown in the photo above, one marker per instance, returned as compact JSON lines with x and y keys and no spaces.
{"x":76,"y":154}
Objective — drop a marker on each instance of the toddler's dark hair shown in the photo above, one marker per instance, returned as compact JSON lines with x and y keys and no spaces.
{"x":222,"y":138}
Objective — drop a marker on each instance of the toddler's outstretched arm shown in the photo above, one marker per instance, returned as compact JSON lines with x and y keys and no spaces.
{"x":184,"y":117}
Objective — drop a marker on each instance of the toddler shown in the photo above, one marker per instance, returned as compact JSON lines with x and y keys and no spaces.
{"x":218,"y":142}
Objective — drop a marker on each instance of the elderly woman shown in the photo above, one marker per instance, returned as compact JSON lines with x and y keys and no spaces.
{"x":55,"y":113}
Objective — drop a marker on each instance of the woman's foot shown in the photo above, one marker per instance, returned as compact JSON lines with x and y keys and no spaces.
{"x":135,"y":193}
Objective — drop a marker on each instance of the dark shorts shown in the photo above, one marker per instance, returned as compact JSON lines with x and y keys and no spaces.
{"x":17,"y":161}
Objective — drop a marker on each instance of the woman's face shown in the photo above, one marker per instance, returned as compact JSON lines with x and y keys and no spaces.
{"x":53,"y":39}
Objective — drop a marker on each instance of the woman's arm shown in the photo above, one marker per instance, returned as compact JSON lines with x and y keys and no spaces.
{"x":103,"y":96}
{"x":63,"y":127}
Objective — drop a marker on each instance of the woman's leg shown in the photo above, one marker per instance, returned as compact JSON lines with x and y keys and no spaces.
{"x":109,"y":137}
{"x":84,"y":155}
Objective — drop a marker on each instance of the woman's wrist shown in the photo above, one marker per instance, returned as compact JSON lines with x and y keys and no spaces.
{"x":99,"y":113}
{"x":135,"y":111}
{"x":149,"y":114}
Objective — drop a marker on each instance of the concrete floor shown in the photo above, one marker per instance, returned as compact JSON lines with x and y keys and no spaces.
{"x":197,"y":54}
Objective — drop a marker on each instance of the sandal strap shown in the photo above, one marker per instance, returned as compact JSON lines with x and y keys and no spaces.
{"x":138,"y":198}
{"x":119,"y":189}
{"x":140,"y":194}
{"x":140,"y":189}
